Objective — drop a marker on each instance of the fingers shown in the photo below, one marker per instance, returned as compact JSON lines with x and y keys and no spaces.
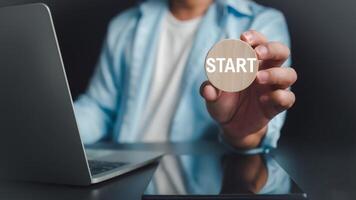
{"x":275,"y":53}
{"x":270,"y":53}
{"x":279,"y":98}
{"x":278,"y":77}
{"x":277,"y":101}
{"x":209,"y":92}
{"x":221,"y":105}
{"x":253,"y":38}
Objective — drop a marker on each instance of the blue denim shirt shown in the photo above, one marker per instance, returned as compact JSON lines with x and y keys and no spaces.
{"x":116,"y":96}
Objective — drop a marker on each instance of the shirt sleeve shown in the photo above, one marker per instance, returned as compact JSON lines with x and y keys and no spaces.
{"x":272,"y":24}
{"x":95,"y":109}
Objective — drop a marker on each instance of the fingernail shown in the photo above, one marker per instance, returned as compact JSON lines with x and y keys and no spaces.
{"x":262,"y":77}
{"x":248,"y":36}
{"x":261,"y":51}
{"x":211,"y":94}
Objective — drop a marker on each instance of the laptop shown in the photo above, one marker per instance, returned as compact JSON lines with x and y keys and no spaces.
{"x":40,"y":139}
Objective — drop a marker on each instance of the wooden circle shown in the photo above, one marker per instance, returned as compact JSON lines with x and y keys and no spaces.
{"x":236,"y":65}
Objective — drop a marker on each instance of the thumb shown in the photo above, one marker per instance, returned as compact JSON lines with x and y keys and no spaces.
{"x":209,"y":92}
{"x":221,"y":105}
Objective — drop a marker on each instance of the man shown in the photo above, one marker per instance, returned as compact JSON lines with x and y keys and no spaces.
{"x":146,"y":86}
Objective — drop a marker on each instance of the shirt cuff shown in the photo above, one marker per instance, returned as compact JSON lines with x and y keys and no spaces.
{"x":259,"y":150}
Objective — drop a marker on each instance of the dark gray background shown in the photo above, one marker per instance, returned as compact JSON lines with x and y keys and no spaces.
{"x":323,"y":46}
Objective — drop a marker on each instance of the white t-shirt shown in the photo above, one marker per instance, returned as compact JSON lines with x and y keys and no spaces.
{"x":174,"y":44}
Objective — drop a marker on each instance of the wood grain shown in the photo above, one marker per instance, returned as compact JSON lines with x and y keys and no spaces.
{"x":231,"y":81}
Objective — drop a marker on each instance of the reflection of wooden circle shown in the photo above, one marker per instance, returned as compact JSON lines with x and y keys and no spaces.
{"x":236,"y":65}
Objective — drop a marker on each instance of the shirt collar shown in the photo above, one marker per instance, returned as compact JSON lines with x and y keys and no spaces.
{"x":241,"y":6}
{"x":147,"y":6}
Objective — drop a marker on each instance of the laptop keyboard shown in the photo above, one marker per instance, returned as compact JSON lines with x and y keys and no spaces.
{"x":97,"y":167}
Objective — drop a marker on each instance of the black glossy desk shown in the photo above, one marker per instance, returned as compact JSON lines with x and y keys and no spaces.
{"x":322,"y":172}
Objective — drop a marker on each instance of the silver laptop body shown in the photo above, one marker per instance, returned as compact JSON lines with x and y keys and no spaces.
{"x":40,"y":140}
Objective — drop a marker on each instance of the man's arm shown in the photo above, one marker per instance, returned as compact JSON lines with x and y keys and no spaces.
{"x":96,"y":108}
{"x":256,"y":121}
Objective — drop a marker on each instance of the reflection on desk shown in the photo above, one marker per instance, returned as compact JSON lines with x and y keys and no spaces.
{"x":131,"y":186}
{"x":221,"y":175}
{"x":128,"y":186}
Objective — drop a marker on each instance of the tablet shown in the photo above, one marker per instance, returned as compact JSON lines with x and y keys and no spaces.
{"x":227,"y":176}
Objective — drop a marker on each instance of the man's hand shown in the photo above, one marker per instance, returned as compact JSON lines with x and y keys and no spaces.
{"x":244,"y":115}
